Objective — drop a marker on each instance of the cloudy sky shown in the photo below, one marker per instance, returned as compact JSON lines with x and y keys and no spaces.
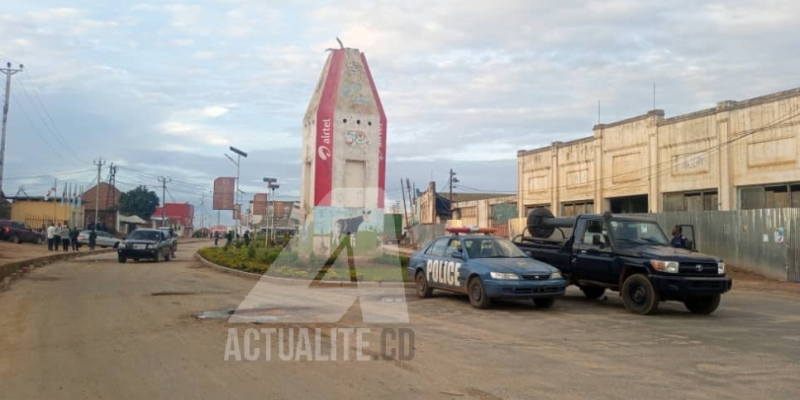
{"x":165,"y":88}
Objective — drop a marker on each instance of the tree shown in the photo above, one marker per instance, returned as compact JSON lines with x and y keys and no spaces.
{"x":5,"y":208}
{"x":139,"y":201}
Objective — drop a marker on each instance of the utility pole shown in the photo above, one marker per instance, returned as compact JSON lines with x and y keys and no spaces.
{"x":405,"y":211}
{"x":239,"y":155}
{"x":164,"y":180}
{"x":413,"y":211}
{"x":202,"y":212}
{"x":99,"y":162}
{"x":8,"y":71}
{"x":453,"y":180}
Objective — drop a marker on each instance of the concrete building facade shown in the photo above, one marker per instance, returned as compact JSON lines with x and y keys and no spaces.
{"x":737,"y":155}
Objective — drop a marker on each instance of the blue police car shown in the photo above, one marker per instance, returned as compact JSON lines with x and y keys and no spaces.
{"x":484,"y":267}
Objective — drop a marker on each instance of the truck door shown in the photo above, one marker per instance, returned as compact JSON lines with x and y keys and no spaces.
{"x":594,"y":257}
{"x":688,"y":231}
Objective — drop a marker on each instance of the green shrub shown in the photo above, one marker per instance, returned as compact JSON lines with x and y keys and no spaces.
{"x":251,"y":252}
{"x":239,"y":243}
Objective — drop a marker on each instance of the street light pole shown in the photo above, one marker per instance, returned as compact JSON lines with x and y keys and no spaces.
{"x":272,"y":184}
{"x":239,"y":155}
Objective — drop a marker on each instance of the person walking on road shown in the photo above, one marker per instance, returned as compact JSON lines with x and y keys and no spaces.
{"x":65,"y":237}
{"x":51,"y":233}
{"x":216,"y":238}
{"x":247,"y":238}
{"x":92,"y":239}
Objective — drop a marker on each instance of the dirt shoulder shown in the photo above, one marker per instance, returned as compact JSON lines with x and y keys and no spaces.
{"x":10,"y":252}
{"x":745,"y":280}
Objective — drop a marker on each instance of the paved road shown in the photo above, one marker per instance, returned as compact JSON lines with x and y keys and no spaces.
{"x":92,"y":329}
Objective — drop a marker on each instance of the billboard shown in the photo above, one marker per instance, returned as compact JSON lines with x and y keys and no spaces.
{"x":237,"y":211}
{"x":260,"y":201}
{"x":224,"y":190}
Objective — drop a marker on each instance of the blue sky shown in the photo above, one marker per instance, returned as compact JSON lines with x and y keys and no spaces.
{"x":165,"y":88}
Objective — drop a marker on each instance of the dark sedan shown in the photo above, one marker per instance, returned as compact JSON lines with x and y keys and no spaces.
{"x":145,"y":244}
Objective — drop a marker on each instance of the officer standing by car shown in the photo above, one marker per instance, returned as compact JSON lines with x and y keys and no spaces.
{"x":73,"y":235}
{"x":92,"y":239}
{"x":678,"y":240}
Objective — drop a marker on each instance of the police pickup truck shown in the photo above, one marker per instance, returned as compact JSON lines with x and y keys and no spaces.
{"x":483,"y":267}
{"x":625,"y":254}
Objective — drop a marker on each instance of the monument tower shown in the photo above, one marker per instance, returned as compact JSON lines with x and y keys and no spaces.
{"x":344,"y":153}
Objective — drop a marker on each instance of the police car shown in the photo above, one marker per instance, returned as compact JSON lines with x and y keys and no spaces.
{"x":484,"y":267}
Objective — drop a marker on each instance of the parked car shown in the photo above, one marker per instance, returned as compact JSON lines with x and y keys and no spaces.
{"x":145,"y":244}
{"x":104,"y":239}
{"x":484,"y":268}
{"x":18,"y":232}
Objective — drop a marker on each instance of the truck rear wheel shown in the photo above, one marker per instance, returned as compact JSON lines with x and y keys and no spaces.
{"x":592,"y":292}
{"x":704,"y":305}
{"x":122,"y":259}
{"x":639,"y":295}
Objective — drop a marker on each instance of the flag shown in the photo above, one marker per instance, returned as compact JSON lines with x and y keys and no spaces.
{"x":64,"y":194}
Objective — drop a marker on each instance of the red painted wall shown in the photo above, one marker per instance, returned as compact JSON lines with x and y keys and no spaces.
{"x":323,"y":179}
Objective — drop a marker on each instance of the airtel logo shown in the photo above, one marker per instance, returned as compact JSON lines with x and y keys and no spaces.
{"x":324,"y":153}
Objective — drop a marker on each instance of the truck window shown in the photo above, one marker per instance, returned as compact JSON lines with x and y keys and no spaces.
{"x":438,"y":248}
{"x":595,"y":233}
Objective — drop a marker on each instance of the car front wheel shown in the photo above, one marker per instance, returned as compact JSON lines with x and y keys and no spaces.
{"x":122,"y":259}
{"x":477,"y":293}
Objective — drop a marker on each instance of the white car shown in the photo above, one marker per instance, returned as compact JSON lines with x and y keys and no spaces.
{"x":104,"y":239}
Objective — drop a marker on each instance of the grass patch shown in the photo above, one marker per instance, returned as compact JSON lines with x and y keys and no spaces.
{"x":259,"y":259}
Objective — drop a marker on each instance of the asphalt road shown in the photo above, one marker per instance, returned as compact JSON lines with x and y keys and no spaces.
{"x":95,"y":329}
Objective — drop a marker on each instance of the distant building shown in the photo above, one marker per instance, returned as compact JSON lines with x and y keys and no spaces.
{"x":37,"y":212}
{"x":179,"y":216}
{"x":736,"y":155}
{"x":107,"y":206}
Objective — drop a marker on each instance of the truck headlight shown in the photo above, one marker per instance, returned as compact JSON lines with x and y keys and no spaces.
{"x":503,"y":275}
{"x":721,"y":268}
{"x":665,"y":266}
{"x":556,"y":275}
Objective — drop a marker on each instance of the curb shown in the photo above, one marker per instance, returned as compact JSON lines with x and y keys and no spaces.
{"x":296,"y":282}
{"x":14,"y":270}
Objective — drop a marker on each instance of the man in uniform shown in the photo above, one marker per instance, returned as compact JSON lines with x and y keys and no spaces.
{"x":678,"y":240}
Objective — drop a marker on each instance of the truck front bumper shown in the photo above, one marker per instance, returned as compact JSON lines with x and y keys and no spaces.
{"x":497,"y":288}
{"x":691,"y":286}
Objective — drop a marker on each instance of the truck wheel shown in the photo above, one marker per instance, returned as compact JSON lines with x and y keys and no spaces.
{"x":15,"y":239}
{"x":39,"y":240}
{"x":157,"y":257}
{"x":592,"y":292}
{"x":544,"y":302}
{"x":477,"y":293}
{"x":166,"y":257}
{"x":704,"y":305}
{"x":639,"y":295}
{"x":122,"y":259}
{"x":423,"y":290}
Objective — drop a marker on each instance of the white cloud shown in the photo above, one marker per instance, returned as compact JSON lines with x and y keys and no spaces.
{"x":204,"y":55}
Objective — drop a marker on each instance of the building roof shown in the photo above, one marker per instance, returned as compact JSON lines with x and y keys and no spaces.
{"x":462,"y":197}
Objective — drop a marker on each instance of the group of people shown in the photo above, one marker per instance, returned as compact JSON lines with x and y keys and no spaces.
{"x":62,"y":236}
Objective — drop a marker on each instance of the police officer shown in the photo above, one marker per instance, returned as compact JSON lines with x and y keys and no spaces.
{"x":678,"y":240}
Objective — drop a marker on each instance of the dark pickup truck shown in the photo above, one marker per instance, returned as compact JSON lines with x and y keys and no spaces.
{"x":629,"y":255}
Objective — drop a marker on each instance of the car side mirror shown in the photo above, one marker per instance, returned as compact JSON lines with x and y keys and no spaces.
{"x":457,"y":254}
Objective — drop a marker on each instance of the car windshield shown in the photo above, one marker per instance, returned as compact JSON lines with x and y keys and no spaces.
{"x":633,"y":233}
{"x":492,"y":248}
{"x":145,"y":235}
